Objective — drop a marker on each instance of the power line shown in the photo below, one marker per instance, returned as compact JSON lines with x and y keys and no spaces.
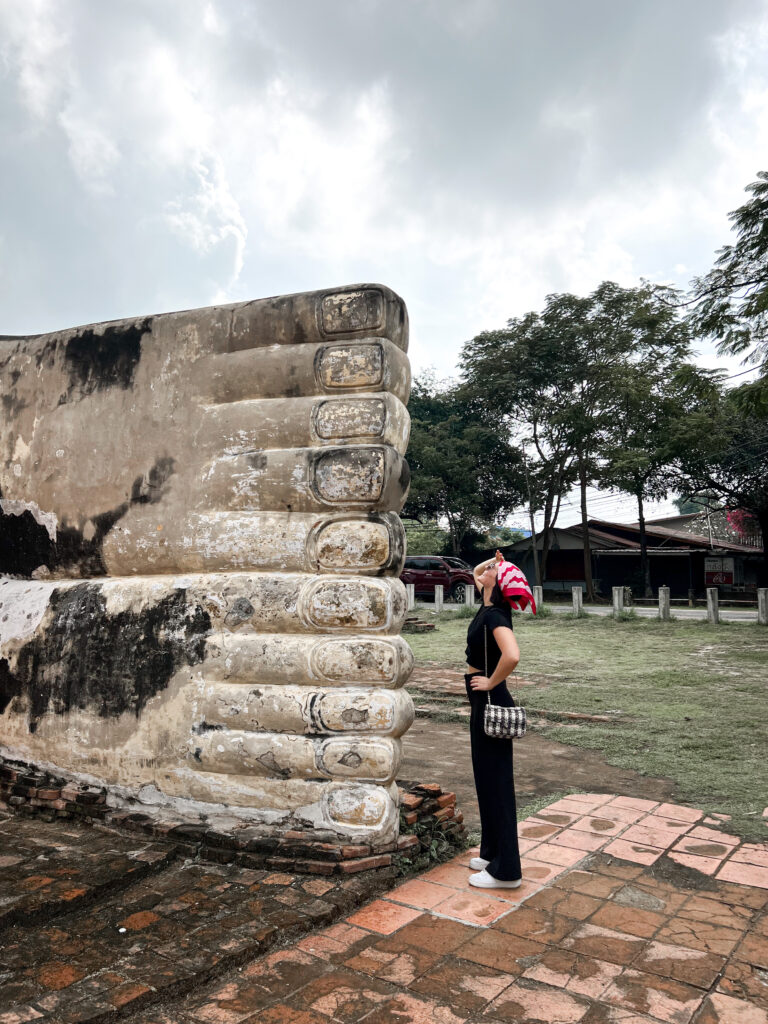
{"x":750,"y":370}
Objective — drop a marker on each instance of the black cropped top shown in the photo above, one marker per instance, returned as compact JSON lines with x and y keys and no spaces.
{"x":486,"y":620}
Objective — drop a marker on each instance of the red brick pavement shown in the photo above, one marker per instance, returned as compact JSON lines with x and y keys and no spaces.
{"x":607,"y":928}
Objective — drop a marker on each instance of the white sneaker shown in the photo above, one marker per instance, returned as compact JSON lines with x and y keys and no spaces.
{"x":482,"y":880}
{"x":478,"y":864}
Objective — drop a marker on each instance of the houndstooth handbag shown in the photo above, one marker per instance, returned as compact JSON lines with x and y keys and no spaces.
{"x":498,"y":722}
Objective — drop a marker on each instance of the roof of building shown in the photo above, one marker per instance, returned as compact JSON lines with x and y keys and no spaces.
{"x":605,"y":535}
{"x":663,"y":534}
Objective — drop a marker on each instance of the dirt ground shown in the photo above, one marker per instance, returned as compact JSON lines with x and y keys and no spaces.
{"x":439,"y":752}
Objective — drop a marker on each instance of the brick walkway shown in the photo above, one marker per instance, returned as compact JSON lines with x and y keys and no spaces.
{"x":94,"y":924}
{"x":631,"y":913}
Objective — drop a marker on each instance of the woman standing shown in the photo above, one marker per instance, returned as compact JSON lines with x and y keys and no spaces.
{"x":492,"y":653}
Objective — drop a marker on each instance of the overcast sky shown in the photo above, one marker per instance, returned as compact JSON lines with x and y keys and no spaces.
{"x":474,"y":155}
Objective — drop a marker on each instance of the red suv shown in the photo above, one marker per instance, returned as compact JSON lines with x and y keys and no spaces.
{"x":428,"y":571}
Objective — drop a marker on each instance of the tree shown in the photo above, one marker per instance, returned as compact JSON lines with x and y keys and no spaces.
{"x":550,"y":378}
{"x":696,"y":503}
{"x":650,"y":395}
{"x":462,"y":470}
{"x":731,"y":301}
{"x":720,"y":446}
{"x":503,"y":536}
{"x":426,"y":538}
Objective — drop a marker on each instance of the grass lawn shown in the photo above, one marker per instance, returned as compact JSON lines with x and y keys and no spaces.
{"x":692,"y":697}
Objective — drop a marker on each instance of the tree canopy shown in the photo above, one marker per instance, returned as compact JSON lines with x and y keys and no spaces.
{"x":602,"y":389}
{"x":731,"y":301}
{"x":554,"y":380}
{"x":462,"y":469}
{"x":720,"y":448}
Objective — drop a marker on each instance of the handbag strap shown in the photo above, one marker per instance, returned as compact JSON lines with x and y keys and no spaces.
{"x":485,"y":664}
{"x":485,"y":651}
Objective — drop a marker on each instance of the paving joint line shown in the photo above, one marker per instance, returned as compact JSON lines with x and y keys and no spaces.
{"x":22,"y":918}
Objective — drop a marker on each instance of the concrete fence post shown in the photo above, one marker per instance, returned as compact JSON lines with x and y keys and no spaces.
{"x":438,"y":597}
{"x":664,"y":604}
{"x":538,"y":596}
{"x":469,"y":593}
{"x":618,"y":602}
{"x":410,"y":590}
{"x":762,"y":606}
{"x":713,"y":609}
{"x":577,"y":600}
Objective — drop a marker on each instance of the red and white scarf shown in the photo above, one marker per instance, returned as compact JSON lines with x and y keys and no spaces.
{"x":514,"y":586}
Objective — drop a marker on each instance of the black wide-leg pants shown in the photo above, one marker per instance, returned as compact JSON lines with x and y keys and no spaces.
{"x":495,"y":786}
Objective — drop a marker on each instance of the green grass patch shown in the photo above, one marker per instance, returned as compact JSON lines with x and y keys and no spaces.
{"x":692,"y":698}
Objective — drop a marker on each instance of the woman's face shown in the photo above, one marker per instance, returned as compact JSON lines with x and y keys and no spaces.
{"x":488,"y":577}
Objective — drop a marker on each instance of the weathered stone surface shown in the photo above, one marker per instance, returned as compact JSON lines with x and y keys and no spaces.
{"x":198,"y":516}
{"x":309,"y":710}
{"x":115,"y":430}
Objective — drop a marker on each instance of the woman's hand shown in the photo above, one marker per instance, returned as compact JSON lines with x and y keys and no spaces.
{"x":481,"y":683}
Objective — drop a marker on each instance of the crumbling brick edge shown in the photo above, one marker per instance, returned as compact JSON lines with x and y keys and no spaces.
{"x":426,"y":812}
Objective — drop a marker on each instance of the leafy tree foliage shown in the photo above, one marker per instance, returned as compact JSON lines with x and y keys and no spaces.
{"x":696,"y":503}
{"x":719,"y":446}
{"x":463,"y":470}
{"x":553,"y":379}
{"x":731,"y":301}
{"x":649,"y":397}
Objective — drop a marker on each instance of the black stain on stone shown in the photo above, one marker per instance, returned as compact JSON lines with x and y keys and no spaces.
{"x":405,"y":477}
{"x":270,"y":762}
{"x":241,"y":611}
{"x":108,"y":360}
{"x":109,"y":664}
{"x":12,"y":404}
{"x":25,"y":544}
{"x":354,"y":716}
{"x":351,"y":759}
{"x":299,"y":333}
{"x":257,"y":460}
{"x":150,"y":488}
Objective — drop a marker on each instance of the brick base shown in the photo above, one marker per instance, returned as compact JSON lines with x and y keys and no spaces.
{"x":425,"y":810}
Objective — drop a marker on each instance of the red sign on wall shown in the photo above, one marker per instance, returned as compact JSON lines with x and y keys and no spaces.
{"x":718,"y":572}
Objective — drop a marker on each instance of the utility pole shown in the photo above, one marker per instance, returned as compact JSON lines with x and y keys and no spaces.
{"x":590,"y":587}
{"x":534,"y":548}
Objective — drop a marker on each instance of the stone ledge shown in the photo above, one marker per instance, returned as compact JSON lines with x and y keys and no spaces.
{"x":28,"y":791}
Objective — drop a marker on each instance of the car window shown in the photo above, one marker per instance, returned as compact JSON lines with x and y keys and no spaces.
{"x":414,"y":563}
{"x":434,"y":563}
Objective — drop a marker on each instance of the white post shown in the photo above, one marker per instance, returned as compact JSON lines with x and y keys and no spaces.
{"x":438,"y":597}
{"x":577,"y":598}
{"x":664,"y":604}
{"x":410,"y":590}
{"x":713,"y":610}
{"x":538,"y":596}
{"x":469,"y":593}
{"x":618,"y":602}
{"x":762,"y":606}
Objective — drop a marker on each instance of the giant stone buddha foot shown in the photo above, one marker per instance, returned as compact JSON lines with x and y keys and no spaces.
{"x":198,"y":549}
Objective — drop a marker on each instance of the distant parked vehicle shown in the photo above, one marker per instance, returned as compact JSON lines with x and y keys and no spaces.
{"x":428,"y":571}
{"x":458,"y":563}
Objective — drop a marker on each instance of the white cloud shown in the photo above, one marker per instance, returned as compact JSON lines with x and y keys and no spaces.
{"x":92,"y":153}
{"x":34,"y":51}
{"x":210,"y":216}
{"x":475,"y":156}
